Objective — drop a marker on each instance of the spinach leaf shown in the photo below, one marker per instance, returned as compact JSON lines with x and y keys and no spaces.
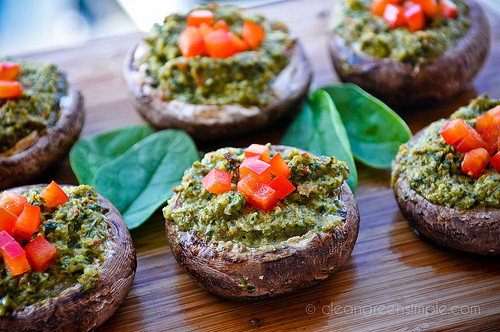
{"x":374,"y":130}
{"x":141,"y":179}
{"x":90,"y":153}
{"x":318,"y":129}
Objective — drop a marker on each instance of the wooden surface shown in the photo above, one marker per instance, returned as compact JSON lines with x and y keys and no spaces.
{"x":394,"y":280}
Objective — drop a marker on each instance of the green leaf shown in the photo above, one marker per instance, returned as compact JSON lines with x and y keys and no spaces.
{"x":90,"y":153}
{"x":318,"y":129}
{"x":374,"y":130}
{"x":141,"y":180}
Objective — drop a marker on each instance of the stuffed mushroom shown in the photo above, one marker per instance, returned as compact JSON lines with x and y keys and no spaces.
{"x":68,"y":266}
{"x":446,"y":179}
{"x":409,"y":52}
{"x":41,"y":116}
{"x":217,"y":71}
{"x":262,"y":222}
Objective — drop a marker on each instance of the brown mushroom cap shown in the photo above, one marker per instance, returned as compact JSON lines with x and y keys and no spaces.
{"x":205,"y":122}
{"x":475,"y":230}
{"x":37,"y":154}
{"x":402,"y":84}
{"x":257,"y":274}
{"x":74,"y":310}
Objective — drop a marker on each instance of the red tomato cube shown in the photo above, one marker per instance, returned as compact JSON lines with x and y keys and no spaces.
{"x":10,"y":89}
{"x":258,"y":168}
{"x":448,"y":9}
{"x":495,"y":161}
{"x":28,"y":222}
{"x":252,"y":34}
{"x":5,"y":238}
{"x":54,"y":195}
{"x":282,"y":186}
{"x":40,"y":253}
{"x":258,"y":150}
{"x":9,"y":70}
{"x":491,"y":135}
{"x":279,"y":166}
{"x":197,"y":17}
{"x":475,"y":162}
{"x":454,"y":130}
{"x":191,"y":42}
{"x":415,"y":18}
{"x":238,"y":43}
{"x":472,"y":140}
{"x":264,"y":198}
{"x":15,"y":258}
{"x":221,"y":24}
{"x":394,"y":15}
{"x":248,"y":185}
{"x":218,"y":44}
{"x":217,"y":181}
{"x":7,"y":221}
{"x":12,"y":202}
{"x":430,"y":7}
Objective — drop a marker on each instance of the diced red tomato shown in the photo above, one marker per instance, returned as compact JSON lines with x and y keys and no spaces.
{"x":196,"y":17}
{"x":253,"y":34}
{"x":282,"y":186}
{"x":279,"y":166}
{"x":475,"y":162}
{"x":264,"y":198}
{"x":258,"y":168}
{"x":454,"y":130}
{"x":414,"y":16}
{"x":485,"y":120}
{"x":10,"y":89}
{"x":191,"y":42}
{"x":217,"y":181}
{"x":258,"y":149}
{"x":491,"y":135}
{"x":470,"y":141}
{"x":248,"y":185}
{"x":218,"y":44}
{"x":40,"y":253}
{"x":221,"y":24}
{"x":205,"y":29}
{"x":15,"y":258}
{"x":495,"y":161}
{"x":28,"y":222}
{"x":5,"y":238}
{"x":394,"y":15}
{"x":53,"y":195}
{"x":430,"y":7}
{"x":12,"y":202}
{"x":9,"y":70}
{"x":448,"y":8}
{"x":238,"y":43}
{"x":7,"y":221}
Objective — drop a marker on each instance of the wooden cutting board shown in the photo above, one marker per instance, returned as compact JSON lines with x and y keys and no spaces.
{"x":394,"y":280}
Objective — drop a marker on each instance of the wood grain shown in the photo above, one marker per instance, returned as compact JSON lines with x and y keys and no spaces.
{"x":394,"y":280}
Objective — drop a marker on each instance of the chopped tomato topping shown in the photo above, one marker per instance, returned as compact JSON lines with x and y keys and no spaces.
{"x":197,"y":17}
{"x":258,"y":149}
{"x":5,"y":238}
{"x":485,"y":120}
{"x":7,"y":221}
{"x":470,"y":141}
{"x":15,"y":258}
{"x":218,"y":44}
{"x":258,"y":168}
{"x":475,"y":162}
{"x":53,"y":195}
{"x":248,"y":185}
{"x":10,"y":89}
{"x":282,"y":186}
{"x":9,"y":70}
{"x":40,"y":253}
{"x":264,"y":198}
{"x":28,"y":222}
{"x":394,"y":15}
{"x":253,"y":34}
{"x":205,"y":29}
{"x":238,"y":43}
{"x":191,"y":42}
{"x":217,"y":181}
{"x":430,"y":7}
{"x":279,"y":166}
{"x":221,"y":24}
{"x":495,"y":161}
{"x":448,"y":8}
{"x":414,"y":16}
{"x":454,"y":130}
{"x":12,"y":202}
